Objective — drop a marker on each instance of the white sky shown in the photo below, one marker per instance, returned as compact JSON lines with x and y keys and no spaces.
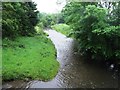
{"x":49,"y":6}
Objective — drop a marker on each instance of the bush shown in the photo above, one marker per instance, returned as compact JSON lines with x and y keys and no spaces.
{"x":110,"y":44}
{"x":97,"y":38}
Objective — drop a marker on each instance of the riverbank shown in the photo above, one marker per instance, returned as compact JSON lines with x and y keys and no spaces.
{"x":75,"y":71}
{"x":64,"y":29}
{"x":29,"y":58}
{"x":67,"y":31}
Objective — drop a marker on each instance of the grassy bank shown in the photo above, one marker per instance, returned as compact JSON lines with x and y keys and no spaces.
{"x":29,"y":58}
{"x":63,"y":28}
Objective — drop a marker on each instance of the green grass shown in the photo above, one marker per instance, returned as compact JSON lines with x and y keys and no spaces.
{"x":63,"y":28}
{"x":29,"y":58}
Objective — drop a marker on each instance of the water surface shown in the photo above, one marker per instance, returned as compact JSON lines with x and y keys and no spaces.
{"x":74,"y":71}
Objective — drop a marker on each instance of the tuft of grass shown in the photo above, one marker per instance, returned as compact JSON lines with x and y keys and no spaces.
{"x":29,"y":58}
{"x":64,"y":29}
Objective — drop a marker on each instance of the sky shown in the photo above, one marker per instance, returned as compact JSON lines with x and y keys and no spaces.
{"x":49,"y":6}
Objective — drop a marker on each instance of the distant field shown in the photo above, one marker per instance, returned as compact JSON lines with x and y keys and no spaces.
{"x":63,"y":28}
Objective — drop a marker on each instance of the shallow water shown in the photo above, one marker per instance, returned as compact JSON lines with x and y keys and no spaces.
{"x":74,"y":72}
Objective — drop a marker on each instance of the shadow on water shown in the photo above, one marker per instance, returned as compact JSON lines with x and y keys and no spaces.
{"x":74,"y":72}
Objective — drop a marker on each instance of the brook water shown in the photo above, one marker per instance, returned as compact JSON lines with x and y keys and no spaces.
{"x":74,"y":71}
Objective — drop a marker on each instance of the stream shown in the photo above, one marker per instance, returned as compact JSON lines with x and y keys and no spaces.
{"x":74,"y":71}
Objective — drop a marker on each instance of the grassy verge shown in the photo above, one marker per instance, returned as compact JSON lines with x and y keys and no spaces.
{"x":29,"y":58}
{"x":63,"y":28}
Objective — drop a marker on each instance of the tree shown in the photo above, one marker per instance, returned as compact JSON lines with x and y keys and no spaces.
{"x":47,"y":19}
{"x":96,"y":36}
{"x":18,"y":19}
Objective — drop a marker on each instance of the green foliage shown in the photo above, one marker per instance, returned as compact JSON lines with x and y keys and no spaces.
{"x":63,"y":28}
{"x":39,"y":28}
{"x":29,"y":57}
{"x":18,"y":19}
{"x":47,"y":19}
{"x":110,"y":37}
{"x":97,"y":38}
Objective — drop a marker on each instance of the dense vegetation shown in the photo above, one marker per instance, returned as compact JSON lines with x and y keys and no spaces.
{"x":18,"y":19}
{"x":27,"y":53}
{"x":46,"y":20}
{"x":97,"y":28}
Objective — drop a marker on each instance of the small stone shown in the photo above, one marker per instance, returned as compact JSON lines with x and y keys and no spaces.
{"x":26,"y":79}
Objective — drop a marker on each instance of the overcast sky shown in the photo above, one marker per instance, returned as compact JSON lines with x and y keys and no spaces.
{"x":49,"y":6}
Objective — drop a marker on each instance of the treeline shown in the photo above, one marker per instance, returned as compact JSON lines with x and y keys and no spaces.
{"x":47,"y":20}
{"x":97,"y":28}
{"x":18,"y":18}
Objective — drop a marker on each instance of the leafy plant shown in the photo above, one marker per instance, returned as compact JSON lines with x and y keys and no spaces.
{"x":97,"y":37}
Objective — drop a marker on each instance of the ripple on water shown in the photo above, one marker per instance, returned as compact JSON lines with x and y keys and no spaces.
{"x":74,"y":71}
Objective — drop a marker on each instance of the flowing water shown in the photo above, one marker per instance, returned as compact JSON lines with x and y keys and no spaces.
{"x":74,"y":71}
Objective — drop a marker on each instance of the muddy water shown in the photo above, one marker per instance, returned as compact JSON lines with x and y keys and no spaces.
{"x":74,"y":72}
